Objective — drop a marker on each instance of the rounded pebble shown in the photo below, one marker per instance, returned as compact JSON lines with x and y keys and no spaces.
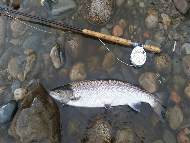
{"x":20,"y":93}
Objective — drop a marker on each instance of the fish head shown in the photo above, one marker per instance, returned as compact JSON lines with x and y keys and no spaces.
{"x":63,"y":96}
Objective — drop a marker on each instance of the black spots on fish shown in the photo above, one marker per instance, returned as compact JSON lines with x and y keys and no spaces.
{"x":76,"y":98}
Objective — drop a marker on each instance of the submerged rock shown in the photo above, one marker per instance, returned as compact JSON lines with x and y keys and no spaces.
{"x":151,"y":20}
{"x":162,"y":63}
{"x":185,"y":65}
{"x":7,"y":112}
{"x":182,"y":5}
{"x":30,"y":65}
{"x":2,"y":32}
{"x":55,"y":56}
{"x":169,"y":137}
{"x":125,"y":135}
{"x":100,"y":11}
{"x":63,"y":7}
{"x":100,"y":132}
{"x":77,"y":72}
{"x":175,"y":117}
{"x":148,"y":81}
{"x":37,"y":119}
{"x":74,"y":46}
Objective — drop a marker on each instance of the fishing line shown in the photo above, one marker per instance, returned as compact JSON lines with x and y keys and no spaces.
{"x":113,"y":54}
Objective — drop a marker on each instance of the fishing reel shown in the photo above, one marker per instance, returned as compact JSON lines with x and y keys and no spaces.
{"x":138,"y":56}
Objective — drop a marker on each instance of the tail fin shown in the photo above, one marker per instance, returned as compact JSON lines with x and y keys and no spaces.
{"x":160,"y":109}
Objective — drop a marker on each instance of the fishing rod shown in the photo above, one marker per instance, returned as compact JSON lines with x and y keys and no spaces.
{"x":89,"y":32}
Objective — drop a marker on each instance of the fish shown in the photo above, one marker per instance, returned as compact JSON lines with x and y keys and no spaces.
{"x":107,"y":93}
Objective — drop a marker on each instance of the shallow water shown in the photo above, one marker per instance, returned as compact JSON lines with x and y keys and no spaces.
{"x":123,"y":116}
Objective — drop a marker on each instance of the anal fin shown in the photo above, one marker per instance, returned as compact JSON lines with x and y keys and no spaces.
{"x":135,"y":106}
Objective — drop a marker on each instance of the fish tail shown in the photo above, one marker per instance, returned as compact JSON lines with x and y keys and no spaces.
{"x":160,"y":109}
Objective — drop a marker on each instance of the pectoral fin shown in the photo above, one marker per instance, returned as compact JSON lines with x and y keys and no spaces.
{"x":135,"y":106}
{"x":108,"y":106}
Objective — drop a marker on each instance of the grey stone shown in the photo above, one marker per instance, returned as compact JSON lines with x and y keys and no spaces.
{"x":15,"y":85}
{"x":62,"y":7}
{"x":169,"y":137}
{"x":33,"y":42}
{"x":104,"y":30}
{"x":7,"y":112}
{"x":175,"y":117}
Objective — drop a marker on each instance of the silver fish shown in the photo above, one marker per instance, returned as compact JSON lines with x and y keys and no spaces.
{"x":107,"y":93}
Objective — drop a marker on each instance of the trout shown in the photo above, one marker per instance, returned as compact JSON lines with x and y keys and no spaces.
{"x":107,"y":93}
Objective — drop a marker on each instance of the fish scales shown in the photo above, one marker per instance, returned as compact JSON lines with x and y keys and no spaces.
{"x":104,"y":93}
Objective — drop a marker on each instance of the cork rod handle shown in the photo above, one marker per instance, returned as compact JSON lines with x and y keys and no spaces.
{"x":107,"y":37}
{"x":118,"y":40}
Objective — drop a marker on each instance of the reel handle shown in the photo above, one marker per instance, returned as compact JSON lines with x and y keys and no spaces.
{"x":118,"y":40}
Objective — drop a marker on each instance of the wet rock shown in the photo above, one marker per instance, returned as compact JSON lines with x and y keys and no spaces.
{"x":20,"y":93}
{"x":27,"y":51}
{"x":169,"y":137}
{"x":128,"y":76}
{"x":166,"y":19}
{"x":182,"y":138}
{"x":15,"y":3}
{"x":63,"y":73}
{"x":13,"y":67}
{"x":109,"y":25}
{"x":100,"y":12}
{"x":37,"y":119}
{"x":186,"y":64}
{"x":125,"y":135}
{"x":104,"y":30}
{"x":187,"y":92}
{"x":159,"y":37}
{"x":73,"y":128}
{"x":177,"y":68}
{"x":2,"y":32}
{"x":174,"y":97}
{"x":151,"y":20}
{"x":148,"y":81}
{"x":74,"y":46}
{"x":20,"y":77}
{"x":182,"y":5}
{"x":175,"y":117}
{"x":47,"y":60}
{"x":109,"y":61}
{"x":117,"y":31}
{"x":30,"y":65}
{"x":129,"y":5}
{"x":7,"y":112}
{"x":186,"y":48}
{"x":118,"y":53}
{"x":77,"y":72}
{"x":15,"y":85}
{"x":63,"y":7}
{"x":158,"y":141}
{"x":100,"y":132}
{"x":16,"y":27}
{"x":91,"y":63}
{"x":122,"y":23}
{"x":162,"y":63}
{"x":5,"y":57}
{"x":55,"y":56}
{"x":33,"y":42}
{"x":119,"y":2}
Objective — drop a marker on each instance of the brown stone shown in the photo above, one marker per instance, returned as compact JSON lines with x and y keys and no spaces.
{"x":109,"y":61}
{"x":117,"y":31}
{"x":175,"y":97}
{"x":187,"y":92}
{"x":182,"y":138}
{"x":37,"y":119}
